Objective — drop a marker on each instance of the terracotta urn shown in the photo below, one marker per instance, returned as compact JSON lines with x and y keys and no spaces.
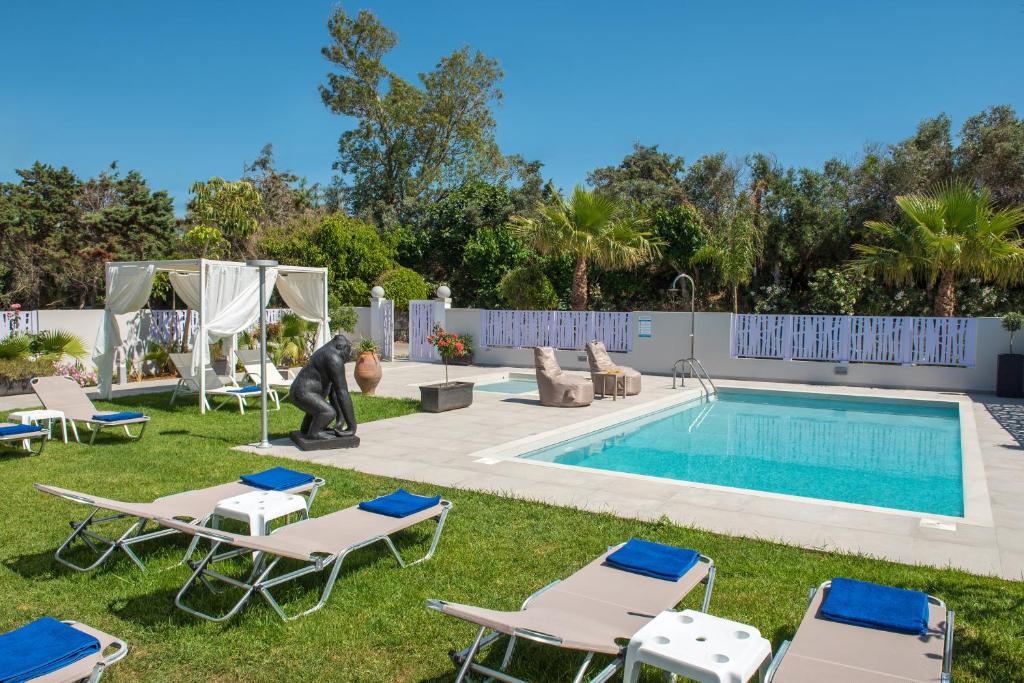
{"x":368,"y":372}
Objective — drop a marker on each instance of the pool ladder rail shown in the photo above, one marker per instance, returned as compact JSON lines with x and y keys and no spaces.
{"x":698,"y":371}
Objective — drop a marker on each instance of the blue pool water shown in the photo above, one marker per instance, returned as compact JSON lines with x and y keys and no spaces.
{"x":888,"y":454}
{"x":510,"y":386}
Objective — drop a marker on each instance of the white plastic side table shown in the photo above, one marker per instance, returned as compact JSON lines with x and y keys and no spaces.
{"x":37,"y":416}
{"x":700,"y":647}
{"x":259,"y":509}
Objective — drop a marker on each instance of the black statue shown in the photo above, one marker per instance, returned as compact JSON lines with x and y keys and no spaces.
{"x":321,"y":391}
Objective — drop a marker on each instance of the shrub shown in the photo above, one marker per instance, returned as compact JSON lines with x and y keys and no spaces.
{"x":20,"y":369}
{"x":834,"y":292}
{"x":81,"y":375}
{"x":341,"y":316}
{"x":528,"y":288}
{"x":403,"y":285}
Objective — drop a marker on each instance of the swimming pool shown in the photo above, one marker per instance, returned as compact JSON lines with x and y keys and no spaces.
{"x":892,"y":454}
{"x":512,"y":385}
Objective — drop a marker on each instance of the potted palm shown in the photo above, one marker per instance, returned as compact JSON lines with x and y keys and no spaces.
{"x":438,"y":398}
{"x":368,"y":370}
{"x":1010,"y":369}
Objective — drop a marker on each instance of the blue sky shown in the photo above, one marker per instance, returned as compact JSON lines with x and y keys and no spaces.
{"x":189,"y":89}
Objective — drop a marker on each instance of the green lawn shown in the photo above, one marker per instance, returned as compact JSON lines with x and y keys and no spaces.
{"x":494,"y":552}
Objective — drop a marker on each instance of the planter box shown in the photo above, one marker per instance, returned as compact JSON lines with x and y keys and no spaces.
{"x":14,"y":387}
{"x":1010,"y":375}
{"x":438,"y":398}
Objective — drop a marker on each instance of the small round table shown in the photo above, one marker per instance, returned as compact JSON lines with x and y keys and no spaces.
{"x":700,"y":647}
{"x":37,"y":416}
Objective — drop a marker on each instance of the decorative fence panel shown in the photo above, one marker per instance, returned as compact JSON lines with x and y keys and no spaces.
{"x":857,"y":339}
{"x":168,"y":326}
{"x":387,"y":341}
{"x":18,"y":322}
{"x":421,"y":325}
{"x":558,"y":329}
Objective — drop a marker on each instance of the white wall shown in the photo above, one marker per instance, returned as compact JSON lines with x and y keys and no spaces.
{"x":670,"y":342}
{"x":363,"y":323}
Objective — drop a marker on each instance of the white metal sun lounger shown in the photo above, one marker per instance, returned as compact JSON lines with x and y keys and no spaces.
{"x":250,"y":360}
{"x":197,"y":506}
{"x":26,"y":437}
{"x":64,"y":394}
{"x":318,"y":543}
{"x":188,"y":384}
{"x":592,"y":611}
{"x":825,"y":650}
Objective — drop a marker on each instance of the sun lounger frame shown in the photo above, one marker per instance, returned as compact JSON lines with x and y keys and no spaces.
{"x":947,"y":643}
{"x":119,"y":652}
{"x":84,"y":411}
{"x":463,"y":659}
{"x":136,"y":532}
{"x":27,"y":437}
{"x":188,"y":385}
{"x":260,"y":579}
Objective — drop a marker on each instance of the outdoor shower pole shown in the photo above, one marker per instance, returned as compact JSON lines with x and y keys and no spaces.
{"x":693,"y":293}
{"x":263,"y":265}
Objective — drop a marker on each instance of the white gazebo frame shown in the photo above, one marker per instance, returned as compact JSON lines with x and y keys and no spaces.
{"x":199,"y":266}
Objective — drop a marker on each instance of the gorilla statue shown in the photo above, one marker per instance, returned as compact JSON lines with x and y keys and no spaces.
{"x":321,"y":391}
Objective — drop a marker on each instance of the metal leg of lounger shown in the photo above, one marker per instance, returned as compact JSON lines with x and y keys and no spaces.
{"x":201,"y":573}
{"x":469,"y":655}
{"x":433,"y":542}
{"x":81,"y":531}
{"x":708,"y":587}
{"x":947,"y":650}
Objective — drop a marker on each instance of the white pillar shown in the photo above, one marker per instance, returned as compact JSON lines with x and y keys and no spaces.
{"x":377,"y":315}
{"x":201,"y":340}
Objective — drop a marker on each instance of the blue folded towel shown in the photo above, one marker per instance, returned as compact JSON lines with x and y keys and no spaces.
{"x":277,"y":479}
{"x":656,"y":560}
{"x":401,"y":503}
{"x":253,"y":389}
{"x":12,"y":430}
{"x":117,"y":417}
{"x":42,"y":647}
{"x":868,"y":604}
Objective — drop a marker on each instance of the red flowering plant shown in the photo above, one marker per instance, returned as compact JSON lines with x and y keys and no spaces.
{"x":449,"y":345}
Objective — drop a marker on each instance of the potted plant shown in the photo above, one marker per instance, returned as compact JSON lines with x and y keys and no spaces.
{"x":438,"y":398}
{"x":1010,"y":369}
{"x":368,"y":370}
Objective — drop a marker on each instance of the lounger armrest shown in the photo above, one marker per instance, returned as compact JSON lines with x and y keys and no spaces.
{"x":537,"y":636}
{"x":435,"y":604}
{"x":776,"y":662}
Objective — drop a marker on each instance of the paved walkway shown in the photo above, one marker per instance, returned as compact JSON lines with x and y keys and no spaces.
{"x":473,"y":449}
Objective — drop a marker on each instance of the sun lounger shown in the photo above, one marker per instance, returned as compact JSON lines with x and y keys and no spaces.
{"x":50,"y":651}
{"x":318,"y":543}
{"x":596,"y":611}
{"x":64,"y":394}
{"x":825,"y":650}
{"x":188,"y":383}
{"x":13,"y":433}
{"x":250,"y":360}
{"x":196,"y":505}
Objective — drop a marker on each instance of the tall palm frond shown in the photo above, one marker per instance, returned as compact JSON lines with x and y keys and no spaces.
{"x":55,"y":344}
{"x":15,"y":347}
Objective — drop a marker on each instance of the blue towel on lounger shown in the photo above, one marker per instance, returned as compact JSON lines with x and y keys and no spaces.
{"x":874,"y":606}
{"x":246,"y":390}
{"x":656,"y":560}
{"x":12,"y":430}
{"x":401,"y":503}
{"x":277,"y":479}
{"x":42,"y":647}
{"x":117,"y":417}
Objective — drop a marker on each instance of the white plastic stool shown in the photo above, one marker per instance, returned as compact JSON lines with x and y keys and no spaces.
{"x":700,"y":647}
{"x":259,"y":509}
{"x":37,"y":416}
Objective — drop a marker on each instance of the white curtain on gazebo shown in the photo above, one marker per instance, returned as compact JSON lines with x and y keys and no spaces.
{"x":232,"y":299}
{"x":304,"y":294}
{"x":128,"y":289}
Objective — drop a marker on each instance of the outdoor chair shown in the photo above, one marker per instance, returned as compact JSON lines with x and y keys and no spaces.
{"x":317,"y":543}
{"x":600,"y":361}
{"x":64,"y":394}
{"x":595,"y":611}
{"x":197,"y":505}
{"x":556,"y":388}
{"x":828,"y":650}
{"x":15,"y":433}
{"x":250,"y":360}
{"x":51,"y":651}
{"x":188,"y":384}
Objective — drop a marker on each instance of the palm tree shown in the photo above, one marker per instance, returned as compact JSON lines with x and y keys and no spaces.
{"x":590,"y":227}
{"x":733,"y":251}
{"x":951,"y":232}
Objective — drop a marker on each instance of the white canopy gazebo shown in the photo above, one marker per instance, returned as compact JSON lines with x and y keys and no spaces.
{"x":225,"y":293}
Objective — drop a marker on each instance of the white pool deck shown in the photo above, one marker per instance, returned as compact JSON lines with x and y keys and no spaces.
{"x":475,"y":448}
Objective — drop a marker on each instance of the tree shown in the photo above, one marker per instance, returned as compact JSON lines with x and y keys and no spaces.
{"x":951,"y":232}
{"x":733,"y":250}
{"x":283,"y":195}
{"x":410,"y":141}
{"x":403,"y":285}
{"x":225,"y":217}
{"x":528,"y":288}
{"x":646,"y":176}
{"x":991,"y":153}
{"x":589,"y":228}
